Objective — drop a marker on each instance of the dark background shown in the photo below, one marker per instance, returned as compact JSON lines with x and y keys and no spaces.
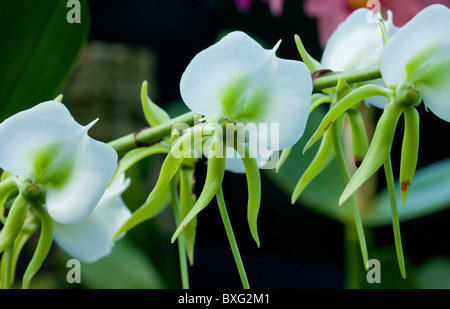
{"x":299,"y":248}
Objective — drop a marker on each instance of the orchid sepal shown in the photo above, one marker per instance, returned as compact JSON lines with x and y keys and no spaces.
{"x":379,"y":149}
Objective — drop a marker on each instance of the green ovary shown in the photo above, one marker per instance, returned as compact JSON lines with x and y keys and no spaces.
{"x":50,"y":167}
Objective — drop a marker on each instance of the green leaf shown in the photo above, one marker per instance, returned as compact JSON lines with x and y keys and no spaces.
{"x":428,"y":194}
{"x":39,"y":50}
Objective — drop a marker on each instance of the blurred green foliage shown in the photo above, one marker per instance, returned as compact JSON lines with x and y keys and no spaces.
{"x":39,"y":51}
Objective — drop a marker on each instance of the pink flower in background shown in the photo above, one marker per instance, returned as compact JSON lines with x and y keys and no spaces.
{"x":330,"y":13}
{"x":276,"y":6}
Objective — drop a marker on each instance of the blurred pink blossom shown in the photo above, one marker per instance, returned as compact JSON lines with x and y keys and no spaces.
{"x":275,"y":6}
{"x":330,"y":13}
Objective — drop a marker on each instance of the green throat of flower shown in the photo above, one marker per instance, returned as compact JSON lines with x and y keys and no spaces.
{"x":52,"y":166}
{"x":244,"y":100}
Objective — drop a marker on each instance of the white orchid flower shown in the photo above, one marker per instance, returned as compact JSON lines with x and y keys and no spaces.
{"x":419,"y":54}
{"x":238,"y":80}
{"x":357,"y":44}
{"x":92,"y":239}
{"x":47,"y":147}
{"x":46,"y":144}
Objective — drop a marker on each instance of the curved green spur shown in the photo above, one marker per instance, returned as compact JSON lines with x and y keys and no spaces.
{"x":134,"y":156}
{"x":360,"y":142}
{"x":187,"y":201}
{"x":154,"y":114}
{"x":312,"y":64}
{"x":283,"y":157}
{"x":343,"y":105}
{"x":318,"y":99}
{"x":379,"y":149}
{"x":152,"y":206}
{"x":179,"y":150}
{"x":43,"y":246}
{"x":254,"y":190}
{"x":14,"y":222}
{"x":323,"y":158}
{"x":214,"y":175}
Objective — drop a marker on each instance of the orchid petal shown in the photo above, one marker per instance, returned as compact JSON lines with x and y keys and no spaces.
{"x":418,"y":53}
{"x":73,"y":202}
{"x":26,"y":133}
{"x":92,"y":239}
{"x":238,"y":79}
{"x":356,"y":43}
{"x":210,"y":70}
{"x":47,"y":144}
{"x":366,"y":41}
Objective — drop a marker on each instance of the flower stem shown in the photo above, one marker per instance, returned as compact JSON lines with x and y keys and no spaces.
{"x":231,"y":238}
{"x":395,"y":219}
{"x":150,"y":135}
{"x":353,"y":203}
{"x":7,"y":263}
{"x":182,"y":255}
{"x":356,"y":76}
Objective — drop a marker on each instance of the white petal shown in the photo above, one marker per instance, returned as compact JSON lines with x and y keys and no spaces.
{"x":210,"y":70}
{"x":437,"y":98}
{"x":26,"y":133}
{"x":357,"y":43}
{"x":94,"y":164}
{"x":427,"y":30}
{"x":420,"y":53}
{"x":238,"y":78}
{"x":282,"y":118}
{"x":91,"y":240}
